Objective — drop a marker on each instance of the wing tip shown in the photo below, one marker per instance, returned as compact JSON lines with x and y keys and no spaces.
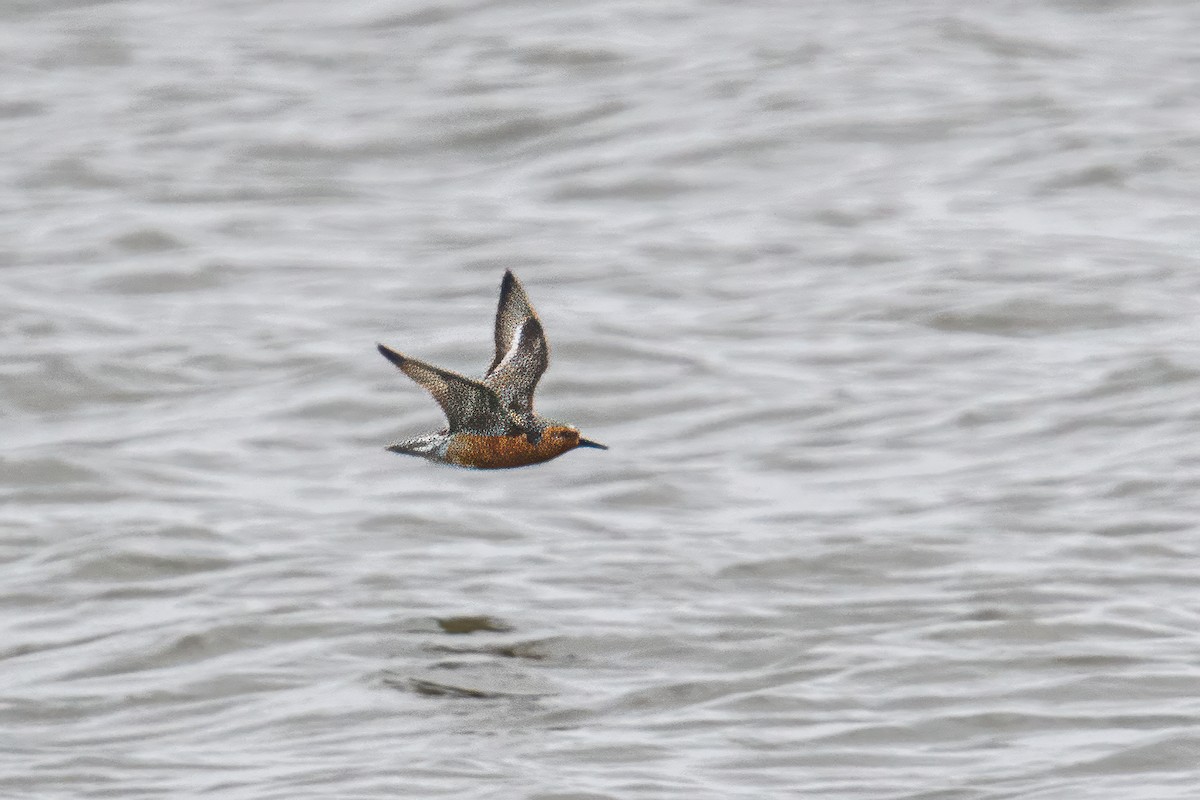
{"x":390,"y":354}
{"x":507,"y":284}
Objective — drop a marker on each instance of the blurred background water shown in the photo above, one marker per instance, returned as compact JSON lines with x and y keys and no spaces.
{"x":888,"y":313}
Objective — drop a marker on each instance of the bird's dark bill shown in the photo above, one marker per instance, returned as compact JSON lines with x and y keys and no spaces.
{"x":590,"y":443}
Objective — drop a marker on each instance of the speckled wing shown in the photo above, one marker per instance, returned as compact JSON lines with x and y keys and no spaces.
{"x":516,"y":376}
{"x":512,"y":312}
{"x":470,"y":407}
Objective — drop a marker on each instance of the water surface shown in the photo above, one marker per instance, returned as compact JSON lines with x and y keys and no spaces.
{"x":887,"y":313}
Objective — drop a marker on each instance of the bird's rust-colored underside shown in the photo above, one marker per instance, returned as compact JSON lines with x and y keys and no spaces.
{"x":501,"y":452}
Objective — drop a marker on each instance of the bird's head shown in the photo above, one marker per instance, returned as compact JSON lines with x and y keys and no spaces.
{"x":566,"y":437}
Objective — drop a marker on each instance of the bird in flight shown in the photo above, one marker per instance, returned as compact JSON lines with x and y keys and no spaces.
{"x":491,"y":422}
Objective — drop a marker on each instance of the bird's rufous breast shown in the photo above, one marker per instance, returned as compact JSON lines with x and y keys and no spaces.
{"x":500,"y":452}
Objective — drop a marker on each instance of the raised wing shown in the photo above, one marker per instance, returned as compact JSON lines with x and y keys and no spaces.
{"x":470,"y":407}
{"x":516,"y":376}
{"x":511,"y":313}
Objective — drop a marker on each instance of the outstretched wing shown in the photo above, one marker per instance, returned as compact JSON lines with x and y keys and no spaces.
{"x":511,"y":313}
{"x":518,"y":373}
{"x":470,"y":407}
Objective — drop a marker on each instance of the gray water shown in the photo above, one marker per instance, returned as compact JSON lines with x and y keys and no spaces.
{"x":887,"y":311}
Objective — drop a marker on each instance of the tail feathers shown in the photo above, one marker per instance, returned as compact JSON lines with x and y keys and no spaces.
{"x":432,"y":446}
